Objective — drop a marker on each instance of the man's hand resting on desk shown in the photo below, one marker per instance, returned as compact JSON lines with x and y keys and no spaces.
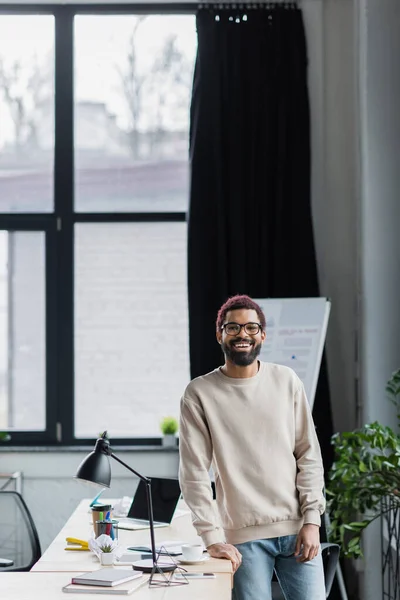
{"x":226,"y":551}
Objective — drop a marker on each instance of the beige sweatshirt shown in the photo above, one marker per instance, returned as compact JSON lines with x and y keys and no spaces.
{"x":258,"y":435}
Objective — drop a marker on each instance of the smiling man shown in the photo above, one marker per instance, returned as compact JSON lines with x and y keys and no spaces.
{"x":250,"y":421}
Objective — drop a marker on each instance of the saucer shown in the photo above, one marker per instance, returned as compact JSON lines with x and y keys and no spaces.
{"x":194,"y":562}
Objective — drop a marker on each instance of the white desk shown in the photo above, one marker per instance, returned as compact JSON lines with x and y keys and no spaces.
{"x":57,"y":566}
{"x":79,"y":525}
{"x":48,"y":586}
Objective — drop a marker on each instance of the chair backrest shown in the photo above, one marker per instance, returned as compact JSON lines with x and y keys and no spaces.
{"x":330,"y":558}
{"x":330,"y":554}
{"x":19,"y":540}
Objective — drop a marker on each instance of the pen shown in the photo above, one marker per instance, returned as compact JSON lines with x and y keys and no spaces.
{"x":109,"y":528}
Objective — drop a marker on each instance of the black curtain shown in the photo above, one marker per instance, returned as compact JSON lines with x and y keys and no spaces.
{"x":250,"y":228}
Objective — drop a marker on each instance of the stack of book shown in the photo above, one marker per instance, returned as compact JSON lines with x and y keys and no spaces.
{"x":107,"y":581}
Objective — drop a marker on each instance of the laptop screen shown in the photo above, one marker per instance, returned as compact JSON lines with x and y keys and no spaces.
{"x":165,"y":493}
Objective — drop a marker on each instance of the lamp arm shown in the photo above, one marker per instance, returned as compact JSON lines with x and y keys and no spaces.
{"x":147,"y":481}
{"x":142,"y":477}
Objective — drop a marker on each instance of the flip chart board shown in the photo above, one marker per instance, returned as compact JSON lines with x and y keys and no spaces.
{"x":296,"y":330}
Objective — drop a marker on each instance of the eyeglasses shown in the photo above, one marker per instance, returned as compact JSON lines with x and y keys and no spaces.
{"x":236,"y":328}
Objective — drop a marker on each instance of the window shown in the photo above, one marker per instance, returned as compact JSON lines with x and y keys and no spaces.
{"x":27,"y":113}
{"x":131,"y":347}
{"x":22,"y":330}
{"x":93,"y":199}
{"x":133,"y":79}
{"x":27,"y":244}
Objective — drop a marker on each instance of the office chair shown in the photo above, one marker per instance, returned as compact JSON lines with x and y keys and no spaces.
{"x":19,"y":540}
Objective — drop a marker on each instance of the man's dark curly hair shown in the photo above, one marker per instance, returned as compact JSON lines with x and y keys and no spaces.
{"x":236,"y":303}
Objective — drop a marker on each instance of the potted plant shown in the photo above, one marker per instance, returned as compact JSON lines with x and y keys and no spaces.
{"x":365,"y":478}
{"x":105,"y":548}
{"x":169,"y":427}
{"x":107,"y":553}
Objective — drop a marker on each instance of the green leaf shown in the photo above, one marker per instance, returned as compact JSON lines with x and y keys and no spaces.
{"x":353,"y":543}
{"x":357,"y":525}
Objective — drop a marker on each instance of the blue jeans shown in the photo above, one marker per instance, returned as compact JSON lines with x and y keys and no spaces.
{"x":298,"y":581}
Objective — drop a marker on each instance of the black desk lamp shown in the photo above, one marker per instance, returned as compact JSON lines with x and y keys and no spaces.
{"x":96,"y":469}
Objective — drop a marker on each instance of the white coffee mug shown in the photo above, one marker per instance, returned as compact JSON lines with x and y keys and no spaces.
{"x":192,"y":551}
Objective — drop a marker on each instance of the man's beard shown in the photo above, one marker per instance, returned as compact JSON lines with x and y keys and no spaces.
{"x":241,"y":358}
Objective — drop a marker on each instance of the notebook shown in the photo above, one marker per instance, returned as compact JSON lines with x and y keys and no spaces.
{"x":123,"y":589}
{"x":165,"y":497}
{"x":106,"y":577}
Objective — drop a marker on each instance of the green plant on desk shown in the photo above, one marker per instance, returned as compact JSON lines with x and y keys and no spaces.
{"x":106,"y":549}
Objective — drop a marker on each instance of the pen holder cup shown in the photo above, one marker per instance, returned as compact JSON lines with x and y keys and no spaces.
{"x":106,"y":528}
{"x":100,"y":508}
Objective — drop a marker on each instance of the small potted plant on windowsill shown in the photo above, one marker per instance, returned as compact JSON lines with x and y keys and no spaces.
{"x":169,"y":427}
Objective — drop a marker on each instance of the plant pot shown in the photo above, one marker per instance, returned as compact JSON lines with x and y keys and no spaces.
{"x":107,"y":558}
{"x":169,"y":441}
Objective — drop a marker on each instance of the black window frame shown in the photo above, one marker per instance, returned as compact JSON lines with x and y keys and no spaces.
{"x":59,"y":225}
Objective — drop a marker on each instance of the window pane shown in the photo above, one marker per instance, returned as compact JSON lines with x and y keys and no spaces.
{"x":133,"y":83}
{"x":131,"y":327}
{"x":26,"y":113}
{"x":22,"y":330}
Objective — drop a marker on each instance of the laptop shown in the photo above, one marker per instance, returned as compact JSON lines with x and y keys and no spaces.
{"x":165,"y":495}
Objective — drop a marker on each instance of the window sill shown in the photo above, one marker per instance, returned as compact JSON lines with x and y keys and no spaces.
{"x":87,"y":448}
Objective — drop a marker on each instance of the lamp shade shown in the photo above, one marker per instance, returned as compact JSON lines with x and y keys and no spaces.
{"x":96,"y":466}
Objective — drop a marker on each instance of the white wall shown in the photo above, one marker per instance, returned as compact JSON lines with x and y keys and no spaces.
{"x":335,"y":201}
{"x":357,"y":217}
{"x":379,"y":81}
{"x":335,"y":207}
{"x":380,"y":209}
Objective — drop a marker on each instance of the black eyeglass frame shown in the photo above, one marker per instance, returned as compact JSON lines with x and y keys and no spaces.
{"x":260,"y":328}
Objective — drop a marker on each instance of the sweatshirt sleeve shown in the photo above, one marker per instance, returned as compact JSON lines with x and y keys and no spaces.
{"x":195,"y":449}
{"x":310,"y":471}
